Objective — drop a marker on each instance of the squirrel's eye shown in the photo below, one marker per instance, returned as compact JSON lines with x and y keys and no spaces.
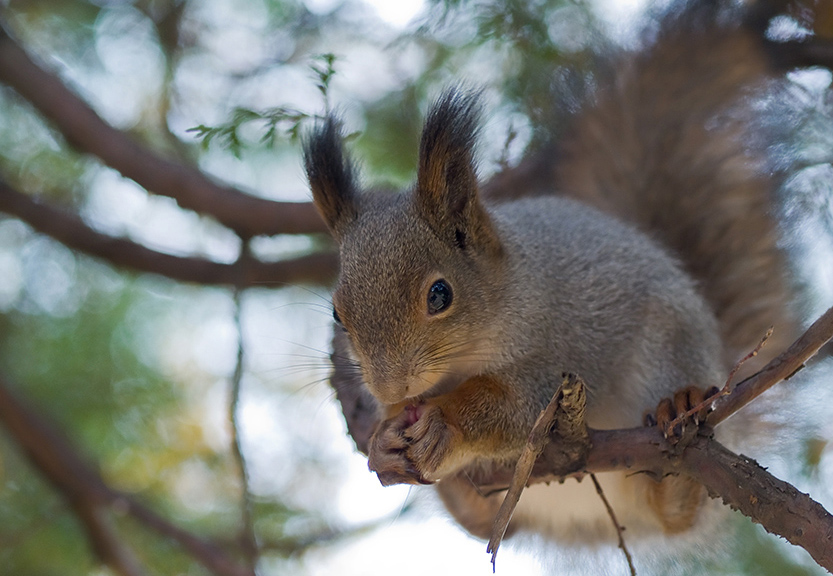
{"x":439,"y":297}
{"x":335,"y":317}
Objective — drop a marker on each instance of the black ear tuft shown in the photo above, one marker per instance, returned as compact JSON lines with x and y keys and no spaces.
{"x":448,"y":139}
{"x":447,"y":192}
{"x":331,"y":175}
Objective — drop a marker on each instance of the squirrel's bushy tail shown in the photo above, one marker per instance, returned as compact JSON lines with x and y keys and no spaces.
{"x":670,"y":143}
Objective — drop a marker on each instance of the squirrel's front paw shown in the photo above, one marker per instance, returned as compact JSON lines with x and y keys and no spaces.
{"x":388,"y":451}
{"x":412,"y":446}
{"x":432,"y":440}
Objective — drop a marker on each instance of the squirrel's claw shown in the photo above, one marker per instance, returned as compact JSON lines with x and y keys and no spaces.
{"x":408,"y":475}
{"x":670,"y":413}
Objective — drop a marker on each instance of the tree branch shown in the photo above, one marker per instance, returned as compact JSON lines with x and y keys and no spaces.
{"x":739,"y":481}
{"x":780,"y":368}
{"x":84,"y":490}
{"x":92,"y":499}
{"x":810,"y":52}
{"x":105,"y":542}
{"x":745,"y":486}
{"x":85,"y":130}
{"x":68,"y":228}
{"x":203,"y":551}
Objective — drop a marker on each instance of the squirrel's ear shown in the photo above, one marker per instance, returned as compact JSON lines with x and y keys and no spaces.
{"x":447,"y":193}
{"x":330,"y":175}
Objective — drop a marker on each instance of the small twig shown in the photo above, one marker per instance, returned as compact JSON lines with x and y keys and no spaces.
{"x":708,"y":402}
{"x":742,"y":361}
{"x":247,"y":534}
{"x":780,"y":368}
{"x":619,"y":528}
{"x":503,"y":161}
{"x":538,"y":438}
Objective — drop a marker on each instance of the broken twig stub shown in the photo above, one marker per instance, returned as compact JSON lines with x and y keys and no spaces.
{"x":561,"y":422}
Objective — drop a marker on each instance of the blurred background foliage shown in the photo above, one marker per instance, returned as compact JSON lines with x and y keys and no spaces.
{"x":137,"y":370}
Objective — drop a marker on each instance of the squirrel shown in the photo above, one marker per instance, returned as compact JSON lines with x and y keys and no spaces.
{"x":638,"y":251}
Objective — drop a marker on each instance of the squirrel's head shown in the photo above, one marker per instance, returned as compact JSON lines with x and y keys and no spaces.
{"x":420,"y":271}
